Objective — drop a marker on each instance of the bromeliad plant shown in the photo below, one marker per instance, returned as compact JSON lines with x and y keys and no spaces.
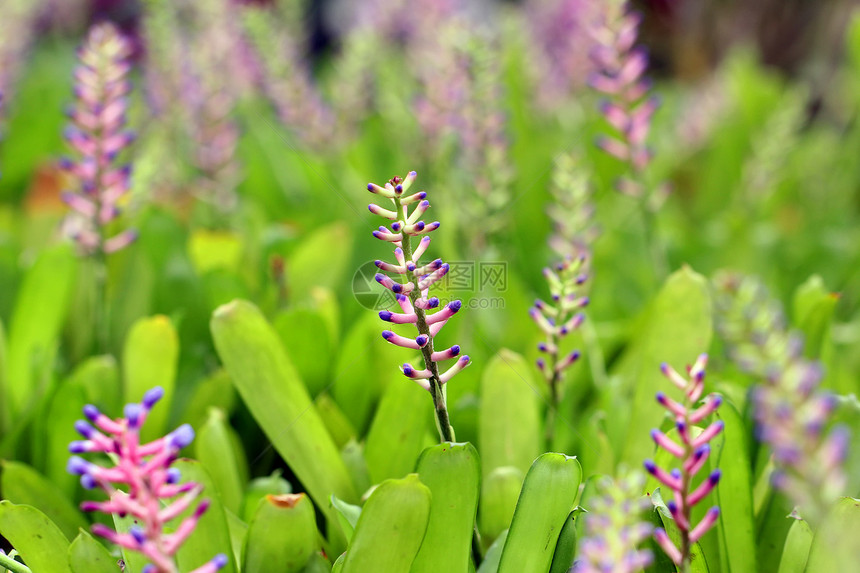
{"x":693,"y":452}
{"x":413,"y":295}
{"x":145,"y":471}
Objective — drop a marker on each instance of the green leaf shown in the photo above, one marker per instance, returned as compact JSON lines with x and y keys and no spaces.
{"x":813,"y":309}
{"x":548,"y":495}
{"x":149,"y":359}
{"x":213,"y":447}
{"x":305,"y":335}
{"x":238,"y":533}
{"x":490,"y":564}
{"x":320,"y":260}
{"x":835,"y":544}
{"x":215,"y":391}
{"x":86,"y":555}
{"x":565,"y":548}
{"x":282,"y":536}
{"x":36,"y":538}
{"x":95,"y":381}
{"x":347,"y":515}
{"x":352,"y":455}
{"x":335,"y":420}
{"x":272,"y":390}
{"x":772,"y":526}
{"x":509,"y":433}
{"x":212,"y":534}
{"x":677,"y":330}
{"x":210,"y":250}
{"x":796,"y":550}
{"x":499,"y":493}
{"x":452,"y":471}
{"x":396,"y":437}
{"x":23,"y":485}
{"x":40,"y":310}
{"x":736,"y":526}
{"x":391,"y":528}
{"x":260,"y":488}
{"x":698,"y":563}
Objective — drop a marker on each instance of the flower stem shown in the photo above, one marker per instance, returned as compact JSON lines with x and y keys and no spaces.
{"x":12,"y":565}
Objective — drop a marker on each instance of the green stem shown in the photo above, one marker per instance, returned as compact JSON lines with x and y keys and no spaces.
{"x":446,"y":432}
{"x":11,"y":565}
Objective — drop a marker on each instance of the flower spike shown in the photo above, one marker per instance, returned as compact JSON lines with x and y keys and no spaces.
{"x":143,"y":472}
{"x":692,"y":452}
{"x":413,"y":294}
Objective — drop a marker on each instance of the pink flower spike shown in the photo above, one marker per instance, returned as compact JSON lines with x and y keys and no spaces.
{"x":542,"y":321}
{"x":420,"y":196}
{"x":428,"y":268}
{"x":712,"y":403}
{"x":707,"y":486}
{"x":397,"y":318}
{"x":79,"y":203}
{"x":709,"y":433}
{"x":667,"y":546}
{"x":707,"y":522}
{"x":461,"y":363}
{"x":695,"y":463}
{"x":388,"y":283}
{"x":671,"y":481}
{"x":387,"y":193}
{"x":567,"y":361}
{"x":389,"y":268}
{"x":697,"y":371}
{"x":417,"y":212}
{"x":671,"y":405}
{"x":428,"y":228}
{"x":404,"y":342}
{"x":410,"y":372}
{"x":427,"y":303}
{"x":667,"y":443}
{"x":673,"y":375}
{"x":614,"y":147}
{"x":386,"y":236}
{"x":377,"y":210}
{"x":572,"y":324}
{"x":447,"y":312}
{"x":419,"y":250}
{"x":218,"y":562}
{"x":175,"y":539}
{"x":616,"y":116}
{"x":405,"y":304}
{"x":604,"y":84}
{"x":445,"y":354}
{"x":430,"y":279}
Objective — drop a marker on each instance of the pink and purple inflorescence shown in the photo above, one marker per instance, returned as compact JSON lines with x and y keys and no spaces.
{"x":98,"y":135}
{"x":693,"y":452}
{"x":145,"y":471}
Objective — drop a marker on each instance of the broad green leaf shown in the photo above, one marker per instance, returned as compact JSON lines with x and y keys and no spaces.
{"x":214,"y":391}
{"x":211,"y":250}
{"x":272,"y":390}
{"x":698,"y":563}
{"x":305,"y":335}
{"x":390,"y":529}
{"x":4,"y":383}
{"x":86,"y":555}
{"x":212,"y":534}
{"x":149,"y":359}
{"x":213,"y":447}
{"x":317,"y":564}
{"x":40,"y":310}
{"x":352,"y":455}
{"x":23,"y":485}
{"x":282,"y":536}
{"x":396,"y":437}
{"x":509,"y":433}
{"x":347,"y":516}
{"x":452,"y":471}
{"x":796,"y":550}
{"x":813,"y":308}
{"x":589,"y":492}
{"x":238,"y":533}
{"x":320,"y":260}
{"x":736,"y":526}
{"x":359,"y":377}
{"x":772,"y":526}
{"x":499,"y":493}
{"x":565,"y":548}
{"x":95,"y":381}
{"x":835,"y":544}
{"x":260,"y":488}
{"x":335,"y":420}
{"x":490,"y":564}
{"x":37,"y":539}
{"x":677,"y":330}
{"x":548,"y":494}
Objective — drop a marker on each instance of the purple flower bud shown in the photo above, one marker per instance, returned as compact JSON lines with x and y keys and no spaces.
{"x":91,"y":412}
{"x":138,"y":534}
{"x":152,"y":396}
{"x":181,"y":436}
{"x":78,"y":466}
{"x":133,"y":413}
{"x":173,"y":476}
{"x":84,"y":429}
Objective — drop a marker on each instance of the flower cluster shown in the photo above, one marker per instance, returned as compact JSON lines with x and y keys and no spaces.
{"x":572,"y":211}
{"x":614,"y":528}
{"x":791,"y":412}
{"x":17,"y":24}
{"x":557,"y":320}
{"x":627,"y":108}
{"x":693,"y":452}
{"x":412,"y":295}
{"x":98,"y":134}
{"x":144,"y":470}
